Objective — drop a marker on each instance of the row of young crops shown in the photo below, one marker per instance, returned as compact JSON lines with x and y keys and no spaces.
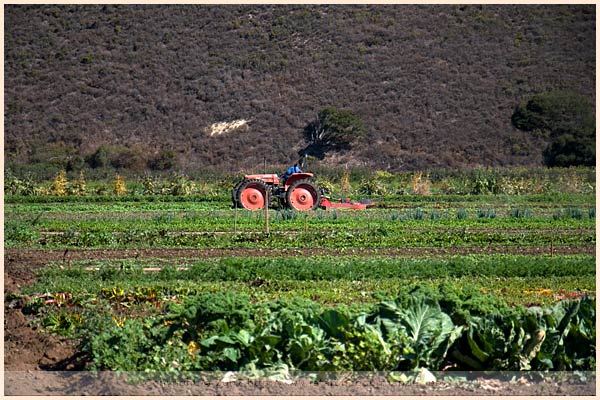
{"x":335,"y":239}
{"x":517,"y":279}
{"x":120,"y":225}
{"x":284,"y":311}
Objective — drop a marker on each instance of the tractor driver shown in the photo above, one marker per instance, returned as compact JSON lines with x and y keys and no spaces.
{"x":294,"y":169}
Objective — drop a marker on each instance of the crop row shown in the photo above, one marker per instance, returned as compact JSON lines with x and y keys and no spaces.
{"x":227,"y":331}
{"x":346,"y":267}
{"x":517,"y":279}
{"x":193,"y":203}
{"x":20,"y":236}
{"x":364,"y":313}
{"x":229,"y":221}
{"x":515,"y":291}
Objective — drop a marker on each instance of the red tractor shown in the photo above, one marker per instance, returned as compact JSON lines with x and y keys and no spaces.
{"x":298,"y":192}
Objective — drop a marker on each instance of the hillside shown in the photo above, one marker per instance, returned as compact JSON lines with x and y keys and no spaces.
{"x":435,"y":85}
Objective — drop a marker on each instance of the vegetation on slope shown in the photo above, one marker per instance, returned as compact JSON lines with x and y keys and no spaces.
{"x":434,"y":85}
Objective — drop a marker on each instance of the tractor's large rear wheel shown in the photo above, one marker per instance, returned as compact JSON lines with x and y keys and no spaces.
{"x":252,"y":194}
{"x":235,"y":197}
{"x":303,"y":196}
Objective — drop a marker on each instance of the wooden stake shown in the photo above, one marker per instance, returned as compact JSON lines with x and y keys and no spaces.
{"x":235,"y":220}
{"x":267,"y":212}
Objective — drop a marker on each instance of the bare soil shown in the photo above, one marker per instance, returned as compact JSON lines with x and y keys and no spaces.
{"x":109,"y":384}
{"x":13,"y":258}
{"x":36,"y":363}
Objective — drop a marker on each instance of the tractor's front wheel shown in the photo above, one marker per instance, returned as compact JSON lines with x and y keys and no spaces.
{"x":252,"y":195}
{"x":303,"y":196}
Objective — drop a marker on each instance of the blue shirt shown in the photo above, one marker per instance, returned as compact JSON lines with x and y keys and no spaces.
{"x":292,"y":170}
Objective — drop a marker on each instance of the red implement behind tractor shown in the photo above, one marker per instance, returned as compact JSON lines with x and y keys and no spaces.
{"x":298,"y":192}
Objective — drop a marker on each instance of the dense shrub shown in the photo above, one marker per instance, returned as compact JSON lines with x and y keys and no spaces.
{"x":16,"y":186}
{"x":567,"y":119}
{"x":116,"y":156}
{"x":575,"y":147}
{"x":99,"y":158}
{"x":333,"y":129}
{"x":164,"y":160}
{"x":553,"y":112}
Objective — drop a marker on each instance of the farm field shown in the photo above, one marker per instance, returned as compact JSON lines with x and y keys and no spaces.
{"x":172,"y":285}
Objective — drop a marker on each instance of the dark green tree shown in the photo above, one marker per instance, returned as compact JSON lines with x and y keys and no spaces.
{"x":99,"y":158}
{"x":574,"y":147}
{"x":332,"y":130}
{"x":567,"y":120}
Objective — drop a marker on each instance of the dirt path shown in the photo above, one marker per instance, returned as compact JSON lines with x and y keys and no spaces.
{"x":555,"y":232}
{"x":108,"y":384}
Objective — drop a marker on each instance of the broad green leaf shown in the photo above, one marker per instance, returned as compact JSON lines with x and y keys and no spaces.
{"x":564,"y":311}
{"x":244,"y":337}
{"x":215,"y":340}
{"x":475,"y":349}
{"x":231,"y":353}
{"x":333,"y":321}
{"x":373,"y":330}
{"x":428,"y":328}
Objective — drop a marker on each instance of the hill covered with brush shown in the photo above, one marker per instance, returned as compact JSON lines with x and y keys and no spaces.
{"x":233,"y":86}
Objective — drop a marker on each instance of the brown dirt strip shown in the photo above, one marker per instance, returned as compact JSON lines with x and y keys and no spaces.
{"x":382,"y":208}
{"x":106,"y":383}
{"x":556,"y":232}
{"x":41,"y":257}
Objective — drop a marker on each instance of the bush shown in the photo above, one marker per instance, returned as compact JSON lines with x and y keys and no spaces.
{"x":119,"y":187}
{"x":16,"y":186}
{"x":127,"y":158}
{"x":181,"y":185}
{"x":571,"y":148}
{"x":99,"y":158}
{"x":116,"y":156}
{"x":567,"y":119}
{"x":420,"y":185}
{"x":74,"y":163}
{"x":372,"y":187}
{"x":163,"y":161}
{"x":78,"y":187}
{"x":549,"y":111}
{"x":333,"y":129}
{"x":150,"y":185}
{"x":59,"y":186}
{"x":485,"y":182}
